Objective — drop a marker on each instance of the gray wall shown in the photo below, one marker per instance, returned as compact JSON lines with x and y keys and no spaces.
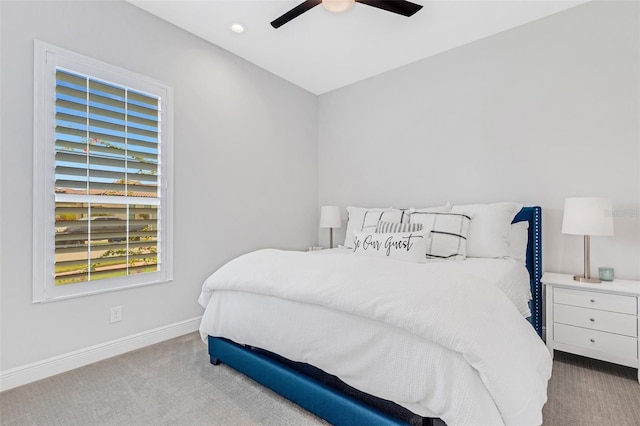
{"x":535,"y":114}
{"x":245,"y":172}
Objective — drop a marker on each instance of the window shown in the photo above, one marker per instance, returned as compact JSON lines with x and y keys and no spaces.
{"x":102,"y":216}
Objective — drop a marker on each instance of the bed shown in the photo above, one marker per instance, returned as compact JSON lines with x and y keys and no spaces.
{"x":352,"y":377}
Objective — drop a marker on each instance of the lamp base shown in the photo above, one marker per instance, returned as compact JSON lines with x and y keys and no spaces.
{"x":582,"y":279}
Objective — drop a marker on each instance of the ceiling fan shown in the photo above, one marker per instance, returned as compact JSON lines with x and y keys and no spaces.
{"x":401,"y":7}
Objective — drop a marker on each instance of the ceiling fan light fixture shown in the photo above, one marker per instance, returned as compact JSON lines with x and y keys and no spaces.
{"x":337,"y":6}
{"x":401,"y":7}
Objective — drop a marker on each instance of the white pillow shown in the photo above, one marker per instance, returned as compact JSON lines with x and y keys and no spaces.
{"x":363,"y":219}
{"x":518,"y":239}
{"x":407,"y":246}
{"x":447,"y":233}
{"x":489,"y":229}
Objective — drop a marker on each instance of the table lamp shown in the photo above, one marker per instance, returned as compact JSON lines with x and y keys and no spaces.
{"x":587,"y":216}
{"x":330,"y":218}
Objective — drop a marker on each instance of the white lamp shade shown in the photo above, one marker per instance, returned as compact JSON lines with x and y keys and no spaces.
{"x":330,"y":217}
{"x":587,"y":216}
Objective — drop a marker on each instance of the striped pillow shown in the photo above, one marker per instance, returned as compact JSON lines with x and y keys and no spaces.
{"x":390,"y":227}
{"x":448,"y":236}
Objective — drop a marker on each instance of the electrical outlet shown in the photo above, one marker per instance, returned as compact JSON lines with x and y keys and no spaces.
{"x":116,"y":314}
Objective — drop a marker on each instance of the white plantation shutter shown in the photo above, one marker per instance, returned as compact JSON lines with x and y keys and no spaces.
{"x":105,"y":135}
{"x":109,"y":166}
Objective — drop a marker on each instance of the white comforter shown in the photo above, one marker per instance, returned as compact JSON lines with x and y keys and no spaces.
{"x":436,"y":338}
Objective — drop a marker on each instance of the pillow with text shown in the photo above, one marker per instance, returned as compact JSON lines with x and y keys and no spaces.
{"x":366,"y":219}
{"x":407,"y":246}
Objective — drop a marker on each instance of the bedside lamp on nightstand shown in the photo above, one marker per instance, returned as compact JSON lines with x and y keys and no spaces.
{"x":587,"y":216}
{"x":330,"y":218}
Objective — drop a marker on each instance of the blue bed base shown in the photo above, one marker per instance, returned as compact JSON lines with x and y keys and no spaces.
{"x":334,"y":405}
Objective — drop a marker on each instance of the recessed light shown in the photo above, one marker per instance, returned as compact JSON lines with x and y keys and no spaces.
{"x":238,"y":28}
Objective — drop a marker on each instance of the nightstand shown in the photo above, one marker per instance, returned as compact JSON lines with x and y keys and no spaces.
{"x":594,"y":320}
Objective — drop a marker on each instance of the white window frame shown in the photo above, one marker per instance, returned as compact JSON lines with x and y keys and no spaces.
{"x":47,"y":58}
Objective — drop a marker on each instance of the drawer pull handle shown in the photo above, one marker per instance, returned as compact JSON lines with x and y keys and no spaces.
{"x":592,"y":319}
{"x":592,"y":340}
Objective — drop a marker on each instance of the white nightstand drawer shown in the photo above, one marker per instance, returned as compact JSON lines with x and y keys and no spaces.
{"x":611,"y":322}
{"x":595,"y":300}
{"x":614,"y":344}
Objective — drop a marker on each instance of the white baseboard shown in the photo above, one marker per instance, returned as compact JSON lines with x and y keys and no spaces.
{"x":59,"y":364}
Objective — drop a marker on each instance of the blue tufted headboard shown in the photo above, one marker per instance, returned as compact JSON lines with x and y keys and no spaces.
{"x":533,"y":215}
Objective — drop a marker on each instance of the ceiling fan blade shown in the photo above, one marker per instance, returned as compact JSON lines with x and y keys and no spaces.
{"x":401,"y":7}
{"x":294,"y":13}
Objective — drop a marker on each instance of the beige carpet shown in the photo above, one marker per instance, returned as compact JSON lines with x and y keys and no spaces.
{"x":584,"y":391}
{"x":172,"y":383}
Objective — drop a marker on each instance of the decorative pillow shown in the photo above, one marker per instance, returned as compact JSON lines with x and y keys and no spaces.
{"x":390,"y":227}
{"x":448,"y":233}
{"x":489,"y":230}
{"x":407,"y":246}
{"x":518,"y":239}
{"x":404,"y":217}
{"x":437,"y":209}
{"x":362,"y":219}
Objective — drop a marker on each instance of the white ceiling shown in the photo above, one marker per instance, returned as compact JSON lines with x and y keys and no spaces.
{"x":321,"y":51}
